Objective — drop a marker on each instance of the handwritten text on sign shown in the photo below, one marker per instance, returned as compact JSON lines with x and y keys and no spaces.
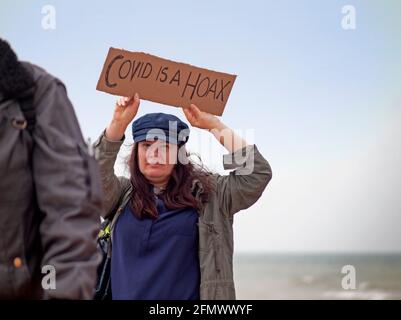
{"x":164,"y":81}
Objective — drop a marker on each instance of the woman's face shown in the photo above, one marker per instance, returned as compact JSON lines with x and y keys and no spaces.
{"x":157,"y":160}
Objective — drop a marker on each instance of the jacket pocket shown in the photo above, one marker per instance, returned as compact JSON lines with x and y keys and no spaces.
{"x":15,"y":280}
{"x":209,"y":245}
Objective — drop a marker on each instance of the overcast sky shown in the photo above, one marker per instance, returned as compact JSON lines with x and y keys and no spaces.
{"x":323,"y":104}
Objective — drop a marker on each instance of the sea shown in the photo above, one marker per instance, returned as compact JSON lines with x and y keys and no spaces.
{"x":323,"y":276}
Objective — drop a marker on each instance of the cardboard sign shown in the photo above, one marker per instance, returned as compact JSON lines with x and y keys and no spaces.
{"x":164,"y":81}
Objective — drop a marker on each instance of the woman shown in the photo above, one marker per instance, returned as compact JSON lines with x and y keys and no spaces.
{"x":172,"y":234}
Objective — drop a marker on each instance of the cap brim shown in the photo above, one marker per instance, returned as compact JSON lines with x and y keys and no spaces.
{"x":146,"y":137}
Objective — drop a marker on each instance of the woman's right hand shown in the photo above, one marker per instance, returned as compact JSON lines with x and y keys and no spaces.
{"x":124,"y":112}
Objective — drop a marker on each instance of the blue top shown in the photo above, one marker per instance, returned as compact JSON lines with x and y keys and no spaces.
{"x":156,"y":259}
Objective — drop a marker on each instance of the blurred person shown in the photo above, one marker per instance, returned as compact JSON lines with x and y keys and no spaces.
{"x":50,"y":192}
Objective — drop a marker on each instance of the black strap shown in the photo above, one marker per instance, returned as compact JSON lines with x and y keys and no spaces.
{"x":28,"y":109}
{"x":25,"y":99}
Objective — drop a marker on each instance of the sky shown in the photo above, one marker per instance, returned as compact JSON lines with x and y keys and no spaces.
{"x":322,"y":103}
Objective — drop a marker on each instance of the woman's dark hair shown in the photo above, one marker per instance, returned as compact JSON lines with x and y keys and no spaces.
{"x":177,"y":193}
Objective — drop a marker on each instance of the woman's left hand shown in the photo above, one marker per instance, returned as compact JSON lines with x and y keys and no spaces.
{"x":201,"y":119}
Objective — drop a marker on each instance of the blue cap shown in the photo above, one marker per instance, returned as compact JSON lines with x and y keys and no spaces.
{"x":166,"y":127}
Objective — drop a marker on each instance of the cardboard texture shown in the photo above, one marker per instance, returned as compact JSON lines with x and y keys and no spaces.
{"x":164,"y":81}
